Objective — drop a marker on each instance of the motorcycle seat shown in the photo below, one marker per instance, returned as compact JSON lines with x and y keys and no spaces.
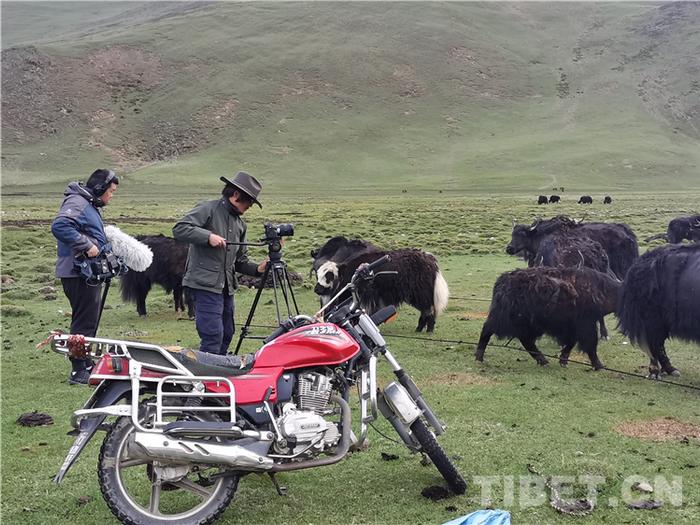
{"x":205,"y":364}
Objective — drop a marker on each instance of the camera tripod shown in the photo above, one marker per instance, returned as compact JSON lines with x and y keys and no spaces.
{"x":280,"y":280}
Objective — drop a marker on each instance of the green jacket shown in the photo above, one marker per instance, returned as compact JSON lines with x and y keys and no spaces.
{"x":209,"y":268}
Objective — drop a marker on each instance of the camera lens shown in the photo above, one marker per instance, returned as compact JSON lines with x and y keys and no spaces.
{"x":285,"y":230}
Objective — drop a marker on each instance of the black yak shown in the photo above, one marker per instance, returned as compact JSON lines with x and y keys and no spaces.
{"x":618,"y":240}
{"x":340,"y":249}
{"x":167,"y":270}
{"x":542,"y":199}
{"x":554,"y":199}
{"x":683,"y":228}
{"x":562,"y":250}
{"x":585,"y":199}
{"x":418,"y":282}
{"x":661,"y":299}
{"x":607,"y":199}
{"x":562,"y":302}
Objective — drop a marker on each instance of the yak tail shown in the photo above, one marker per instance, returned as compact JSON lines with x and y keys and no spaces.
{"x":134,"y":286}
{"x":441,"y":293}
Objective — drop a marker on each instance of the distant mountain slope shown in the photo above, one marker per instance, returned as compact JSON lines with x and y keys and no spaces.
{"x":462,"y":95}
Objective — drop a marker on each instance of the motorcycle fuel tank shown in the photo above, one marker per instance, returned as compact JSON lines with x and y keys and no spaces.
{"x":312,"y":345}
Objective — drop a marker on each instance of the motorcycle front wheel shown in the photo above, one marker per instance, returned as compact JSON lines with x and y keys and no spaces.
{"x":136,"y":495}
{"x":432,"y":448}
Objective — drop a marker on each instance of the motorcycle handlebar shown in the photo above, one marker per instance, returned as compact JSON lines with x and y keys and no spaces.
{"x":378,"y":262}
{"x":365,"y":269}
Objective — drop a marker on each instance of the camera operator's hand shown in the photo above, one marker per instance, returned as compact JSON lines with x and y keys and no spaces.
{"x":216,"y":241}
{"x":263,"y":265}
{"x":93,"y":251}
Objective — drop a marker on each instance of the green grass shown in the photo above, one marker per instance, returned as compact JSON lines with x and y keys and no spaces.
{"x":501,"y":415}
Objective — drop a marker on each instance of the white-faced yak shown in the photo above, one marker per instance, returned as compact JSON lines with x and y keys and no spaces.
{"x":562,"y":302}
{"x":340,"y":249}
{"x":661,"y":299}
{"x":418,"y":281}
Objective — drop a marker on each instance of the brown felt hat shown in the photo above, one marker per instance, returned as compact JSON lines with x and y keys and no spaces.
{"x":247,"y":184}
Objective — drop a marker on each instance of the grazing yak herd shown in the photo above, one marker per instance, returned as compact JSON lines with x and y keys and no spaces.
{"x":585,"y":199}
{"x":578,"y":272}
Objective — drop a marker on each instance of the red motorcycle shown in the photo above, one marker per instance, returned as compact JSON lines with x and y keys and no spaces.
{"x":189,"y":425}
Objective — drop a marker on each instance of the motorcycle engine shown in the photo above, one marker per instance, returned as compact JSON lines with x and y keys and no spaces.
{"x":302,"y":423}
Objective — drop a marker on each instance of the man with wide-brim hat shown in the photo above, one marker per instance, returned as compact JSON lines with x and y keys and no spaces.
{"x":212,"y":262}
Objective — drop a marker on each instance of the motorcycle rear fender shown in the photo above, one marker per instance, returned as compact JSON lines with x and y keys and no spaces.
{"x":106,"y":394}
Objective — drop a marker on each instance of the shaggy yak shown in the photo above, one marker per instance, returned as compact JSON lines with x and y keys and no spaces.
{"x":661,"y":299}
{"x":542,"y":199}
{"x":562,"y":302}
{"x":167,"y":270}
{"x":418,"y":282}
{"x":560,"y":250}
{"x":683,"y":228}
{"x":553,"y":199}
{"x":339,"y":250}
{"x":585,"y":199}
{"x":618,"y":240}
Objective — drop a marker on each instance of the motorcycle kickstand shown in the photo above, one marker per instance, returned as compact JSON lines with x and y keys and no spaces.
{"x":281,"y":489}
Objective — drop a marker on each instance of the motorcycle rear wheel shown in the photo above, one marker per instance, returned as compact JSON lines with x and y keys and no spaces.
{"x":127,"y":483}
{"x":432,"y":448}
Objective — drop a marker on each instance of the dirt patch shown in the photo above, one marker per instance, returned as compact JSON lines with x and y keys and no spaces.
{"x":23,"y":223}
{"x":304,"y":83}
{"x":458,"y":379}
{"x":126,"y":66}
{"x":46,"y":94}
{"x":661,"y":429}
{"x":468,"y":316}
{"x":405,"y":76}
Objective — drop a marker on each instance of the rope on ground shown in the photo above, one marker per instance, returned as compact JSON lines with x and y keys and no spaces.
{"x":623,"y":372}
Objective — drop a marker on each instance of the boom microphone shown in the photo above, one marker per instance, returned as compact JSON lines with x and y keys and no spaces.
{"x":137,"y":256}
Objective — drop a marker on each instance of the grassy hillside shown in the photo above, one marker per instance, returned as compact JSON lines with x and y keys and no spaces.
{"x":497,"y":97}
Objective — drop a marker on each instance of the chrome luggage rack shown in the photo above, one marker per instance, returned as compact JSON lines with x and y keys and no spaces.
{"x":178,"y":374}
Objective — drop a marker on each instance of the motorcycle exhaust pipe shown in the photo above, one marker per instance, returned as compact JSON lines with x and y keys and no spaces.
{"x":154,"y":446}
{"x":340,"y":453}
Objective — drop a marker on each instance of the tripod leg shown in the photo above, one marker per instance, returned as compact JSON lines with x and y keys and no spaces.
{"x":291,"y":292}
{"x":274,"y":291}
{"x":244,"y":328}
{"x":102,"y":305}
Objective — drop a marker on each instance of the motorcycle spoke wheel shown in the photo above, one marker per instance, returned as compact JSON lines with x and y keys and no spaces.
{"x":137,"y":493}
{"x":432,"y":448}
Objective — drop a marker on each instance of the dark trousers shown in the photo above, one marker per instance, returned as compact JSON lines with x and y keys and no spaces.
{"x":85,"y":304}
{"x":213,"y":313}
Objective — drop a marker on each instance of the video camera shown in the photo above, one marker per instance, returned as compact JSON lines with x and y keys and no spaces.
{"x":274,"y":234}
{"x":101,"y":268}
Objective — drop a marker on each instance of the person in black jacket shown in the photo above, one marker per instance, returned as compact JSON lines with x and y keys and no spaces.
{"x":212,"y":262}
{"x":80,"y":232}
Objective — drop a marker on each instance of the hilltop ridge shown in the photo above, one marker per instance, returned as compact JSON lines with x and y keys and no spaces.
{"x":483,"y":96}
